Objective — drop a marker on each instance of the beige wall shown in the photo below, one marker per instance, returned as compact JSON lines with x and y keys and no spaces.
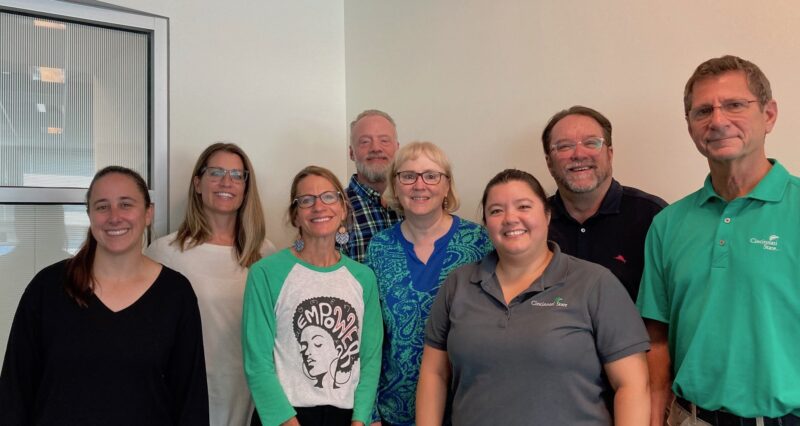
{"x":268,"y":75}
{"x":480,"y":78}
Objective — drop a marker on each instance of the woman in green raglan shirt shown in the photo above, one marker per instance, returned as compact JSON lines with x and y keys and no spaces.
{"x":312,"y":328}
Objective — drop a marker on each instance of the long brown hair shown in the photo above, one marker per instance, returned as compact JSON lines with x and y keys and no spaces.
{"x":80,"y":281}
{"x":250,"y":228}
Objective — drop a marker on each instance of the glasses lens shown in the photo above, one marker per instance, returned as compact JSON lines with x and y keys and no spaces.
{"x":329,"y":197}
{"x":237,"y":174}
{"x":407,"y":178}
{"x":431,"y":178}
{"x":215,"y":172}
{"x":305,"y":201}
{"x":736,"y":106}
{"x":701,"y":113}
{"x":593,"y":143}
{"x":564,"y":147}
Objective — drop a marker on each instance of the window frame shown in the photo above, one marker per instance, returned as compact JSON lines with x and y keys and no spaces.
{"x":157,"y":28}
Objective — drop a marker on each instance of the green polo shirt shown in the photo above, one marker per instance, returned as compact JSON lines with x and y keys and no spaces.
{"x":725,"y":277}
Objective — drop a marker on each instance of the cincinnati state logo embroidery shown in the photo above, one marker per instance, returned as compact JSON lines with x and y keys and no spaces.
{"x":769,"y":244}
{"x":558,"y":302}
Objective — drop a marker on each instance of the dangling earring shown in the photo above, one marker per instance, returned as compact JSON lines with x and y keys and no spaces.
{"x":342,"y":236}
{"x":444,"y":204}
{"x":299,"y":244}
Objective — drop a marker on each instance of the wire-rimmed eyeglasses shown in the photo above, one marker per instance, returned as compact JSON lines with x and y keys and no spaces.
{"x":732,"y":107}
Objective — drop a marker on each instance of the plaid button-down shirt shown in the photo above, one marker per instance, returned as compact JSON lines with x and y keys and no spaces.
{"x":368,"y":218}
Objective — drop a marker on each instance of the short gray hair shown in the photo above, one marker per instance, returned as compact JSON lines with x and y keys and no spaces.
{"x":369,"y":113}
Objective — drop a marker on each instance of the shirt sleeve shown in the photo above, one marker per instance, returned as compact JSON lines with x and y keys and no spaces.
{"x":186,"y":377}
{"x":258,"y":341}
{"x":22,"y":365}
{"x":652,"y":300}
{"x":619,"y":331}
{"x":370,"y":352}
{"x":438,"y":325}
{"x":159,"y":251}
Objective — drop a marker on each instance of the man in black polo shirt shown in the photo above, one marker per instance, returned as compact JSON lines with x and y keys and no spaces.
{"x":593,"y":216}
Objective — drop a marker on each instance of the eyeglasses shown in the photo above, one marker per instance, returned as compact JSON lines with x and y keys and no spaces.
{"x":307,"y":201}
{"x":218,"y":173}
{"x":409,"y":178}
{"x":568,"y":147}
{"x":730,"y":108}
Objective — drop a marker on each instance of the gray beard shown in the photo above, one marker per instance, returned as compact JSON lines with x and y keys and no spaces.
{"x":571,"y":187}
{"x":372,"y":176}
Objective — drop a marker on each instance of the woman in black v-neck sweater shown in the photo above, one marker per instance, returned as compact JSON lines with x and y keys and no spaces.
{"x":107,"y":337}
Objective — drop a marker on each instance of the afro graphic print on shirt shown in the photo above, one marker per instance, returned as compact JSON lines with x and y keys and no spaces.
{"x":327,"y":330}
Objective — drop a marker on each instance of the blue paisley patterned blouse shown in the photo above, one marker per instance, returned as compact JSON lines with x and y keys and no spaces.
{"x":407,"y":288}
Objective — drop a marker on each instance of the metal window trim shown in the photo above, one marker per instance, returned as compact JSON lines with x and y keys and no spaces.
{"x":158,"y":28}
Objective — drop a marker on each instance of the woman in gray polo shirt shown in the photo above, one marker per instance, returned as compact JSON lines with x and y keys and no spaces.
{"x":528,"y":334}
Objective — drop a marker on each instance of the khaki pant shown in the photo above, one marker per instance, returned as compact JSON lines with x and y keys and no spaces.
{"x":678,"y":416}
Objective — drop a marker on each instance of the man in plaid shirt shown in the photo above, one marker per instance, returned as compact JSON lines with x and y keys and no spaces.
{"x":373,"y":142}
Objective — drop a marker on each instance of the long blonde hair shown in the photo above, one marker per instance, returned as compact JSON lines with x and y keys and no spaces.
{"x":250,"y":228}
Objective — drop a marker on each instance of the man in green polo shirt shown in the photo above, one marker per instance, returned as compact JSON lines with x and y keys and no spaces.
{"x":720,"y":291}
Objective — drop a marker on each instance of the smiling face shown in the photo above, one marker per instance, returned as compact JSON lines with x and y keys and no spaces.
{"x":421,"y":199}
{"x":318,"y":351}
{"x":118,"y":214}
{"x":581,"y":170}
{"x":374,"y":143}
{"x":320,"y":220}
{"x":221,"y":196}
{"x":725,"y":138}
{"x":516,"y":220}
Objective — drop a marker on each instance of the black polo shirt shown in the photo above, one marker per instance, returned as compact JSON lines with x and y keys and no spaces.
{"x":614,"y":236}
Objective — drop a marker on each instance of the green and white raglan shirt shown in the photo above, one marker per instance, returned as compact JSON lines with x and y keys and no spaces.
{"x":311,"y":336}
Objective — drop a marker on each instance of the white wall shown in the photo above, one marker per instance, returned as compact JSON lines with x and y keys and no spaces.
{"x":268,"y":75}
{"x":481,"y":78}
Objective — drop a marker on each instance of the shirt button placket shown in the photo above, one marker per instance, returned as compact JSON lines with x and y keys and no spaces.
{"x":721,"y":251}
{"x":504,"y":321}
{"x":726,"y":221}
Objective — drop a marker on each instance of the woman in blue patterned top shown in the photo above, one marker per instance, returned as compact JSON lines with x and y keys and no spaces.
{"x":410,"y":260}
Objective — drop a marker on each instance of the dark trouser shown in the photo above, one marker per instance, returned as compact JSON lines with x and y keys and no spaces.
{"x":324,"y":415}
{"x":723,"y":418}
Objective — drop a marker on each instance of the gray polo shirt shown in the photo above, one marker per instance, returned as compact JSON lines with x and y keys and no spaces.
{"x":538,"y":360}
